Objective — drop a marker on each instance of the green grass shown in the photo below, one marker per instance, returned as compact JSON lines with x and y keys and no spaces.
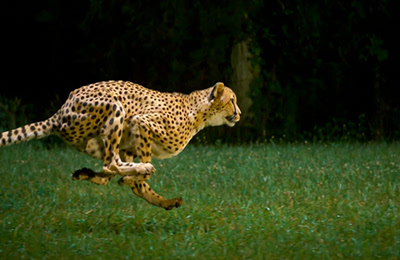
{"x":245,"y":202}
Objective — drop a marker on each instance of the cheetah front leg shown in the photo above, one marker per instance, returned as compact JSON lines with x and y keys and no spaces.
{"x":142,"y":143}
{"x":142,"y":189}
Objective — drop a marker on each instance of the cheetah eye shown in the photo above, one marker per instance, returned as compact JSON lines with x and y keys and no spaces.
{"x":231,"y":102}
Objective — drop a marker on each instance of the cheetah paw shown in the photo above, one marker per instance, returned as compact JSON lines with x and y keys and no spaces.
{"x":144,"y":168}
{"x":83,"y":174}
{"x":172,"y":203}
{"x":89,"y":175}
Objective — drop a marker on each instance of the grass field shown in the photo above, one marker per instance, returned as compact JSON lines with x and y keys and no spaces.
{"x":267,"y":201}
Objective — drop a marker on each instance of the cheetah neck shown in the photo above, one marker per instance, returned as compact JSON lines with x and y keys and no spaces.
{"x":198,"y":105}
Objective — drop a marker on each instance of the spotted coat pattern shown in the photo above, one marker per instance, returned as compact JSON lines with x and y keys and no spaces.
{"x":118,"y":121}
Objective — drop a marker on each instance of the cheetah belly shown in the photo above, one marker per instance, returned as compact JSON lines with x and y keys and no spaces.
{"x":158,"y":151}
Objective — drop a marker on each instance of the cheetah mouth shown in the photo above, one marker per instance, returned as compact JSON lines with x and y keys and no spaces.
{"x":231,"y":119}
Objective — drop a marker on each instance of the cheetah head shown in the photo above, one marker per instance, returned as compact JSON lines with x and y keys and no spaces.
{"x":224,"y":109}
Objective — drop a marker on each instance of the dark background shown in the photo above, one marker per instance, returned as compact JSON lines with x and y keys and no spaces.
{"x":323,"y":70}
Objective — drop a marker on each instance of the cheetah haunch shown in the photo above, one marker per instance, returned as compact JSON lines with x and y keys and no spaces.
{"x":117,"y":121}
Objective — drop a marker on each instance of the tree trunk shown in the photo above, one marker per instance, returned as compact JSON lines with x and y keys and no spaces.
{"x":242,"y":76}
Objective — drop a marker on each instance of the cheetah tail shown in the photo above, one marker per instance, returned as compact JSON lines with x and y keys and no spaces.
{"x":28,"y":132}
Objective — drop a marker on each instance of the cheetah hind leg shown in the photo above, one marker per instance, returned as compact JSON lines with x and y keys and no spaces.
{"x":99,"y":178}
{"x":142,"y":189}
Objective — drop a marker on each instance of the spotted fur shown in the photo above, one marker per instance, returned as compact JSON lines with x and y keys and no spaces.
{"x":119,"y":121}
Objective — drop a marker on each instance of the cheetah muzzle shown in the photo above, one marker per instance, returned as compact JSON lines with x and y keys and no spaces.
{"x":118,"y":122}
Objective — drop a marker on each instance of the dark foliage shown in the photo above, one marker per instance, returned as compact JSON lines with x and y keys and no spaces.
{"x":325,"y":69}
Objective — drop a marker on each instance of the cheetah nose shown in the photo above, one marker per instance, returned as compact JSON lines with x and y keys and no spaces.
{"x":237,"y":114}
{"x":237,"y":111}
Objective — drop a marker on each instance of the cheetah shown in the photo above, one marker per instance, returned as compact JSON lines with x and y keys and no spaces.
{"x":118,"y":121}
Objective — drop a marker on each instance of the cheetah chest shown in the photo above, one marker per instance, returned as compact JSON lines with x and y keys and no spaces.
{"x":160,"y":152}
{"x":160,"y":148}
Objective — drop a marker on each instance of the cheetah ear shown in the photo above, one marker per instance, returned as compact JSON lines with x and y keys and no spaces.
{"x":217,"y":91}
